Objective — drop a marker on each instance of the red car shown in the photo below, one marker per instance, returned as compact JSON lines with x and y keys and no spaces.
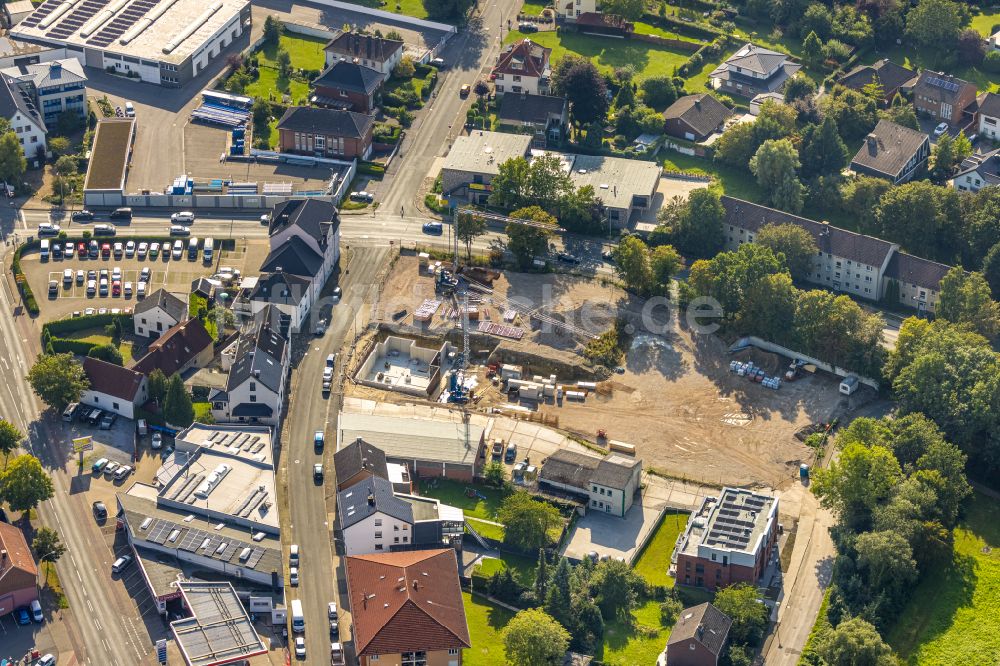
{"x":116,"y":288}
{"x":81,"y":250}
{"x":106,"y":250}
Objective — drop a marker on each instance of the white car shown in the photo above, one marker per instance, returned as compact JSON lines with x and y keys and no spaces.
{"x":940,"y":129}
{"x":130,"y":249}
{"x":300,"y":647}
{"x":68,"y":277}
{"x":103,"y":287}
{"x":116,"y":273}
{"x":293,"y":575}
{"x":140,"y":290}
{"x":127,"y":288}
{"x":157,"y":441}
{"x":145,"y":274}
{"x":178,"y":249}
{"x":143,"y":248}
{"x":183,"y":217}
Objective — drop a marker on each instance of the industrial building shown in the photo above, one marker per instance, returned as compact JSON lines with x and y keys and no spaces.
{"x":166,"y":43}
{"x":219,"y":630}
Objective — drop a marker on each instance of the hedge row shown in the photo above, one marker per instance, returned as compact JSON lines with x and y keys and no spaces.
{"x":707,"y":52}
{"x":78,"y":347}
{"x":21,"y":280}
{"x":683,"y":27}
{"x":79,"y":323}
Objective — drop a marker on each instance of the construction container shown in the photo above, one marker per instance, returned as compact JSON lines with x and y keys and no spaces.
{"x":538,"y":379}
{"x":424,"y":259}
{"x":549,"y":390}
{"x":621,"y":447}
{"x":576,"y":395}
{"x":513,"y":384}
{"x":510,"y":372}
{"x":530,"y":392}
{"x":589,"y":386}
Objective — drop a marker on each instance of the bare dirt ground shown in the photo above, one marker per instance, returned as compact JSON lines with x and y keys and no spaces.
{"x":676,"y":401}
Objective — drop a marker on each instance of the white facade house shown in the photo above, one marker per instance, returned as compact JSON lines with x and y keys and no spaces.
{"x":978,"y":171}
{"x":989,"y":116}
{"x":523,"y":67}
{"x":54,"y":87}
{"x":568,"y":10}
{"x":158,"y":313}
{"x":114,"y":388}
{"x":607,"y":484}
{"x":19,"y":109}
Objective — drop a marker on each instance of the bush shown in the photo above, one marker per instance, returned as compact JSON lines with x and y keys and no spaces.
{"x":371,"y":168}
{"x":669,"y":610}
{"x":991,"y":63}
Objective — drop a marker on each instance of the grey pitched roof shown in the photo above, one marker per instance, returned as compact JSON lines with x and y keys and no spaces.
{"x":914,"y":270}
{"x":989,"y":105}
{"x":889,"y":147}
{"x":527,"y":108}
{"x":163,"y":299}
{"x":368,"y":47}
{"x":704,"y":623}
{"x":833,"y":240}
{"x":253,"y":409}
{"x":888,"y":74}
{"x":701,"y":112}
{"x":987,"y":165}
{"x":47,"y":74}
{"x":580,"y":470}
{"x":371,"y":496}
{"x":753,"y":58}
{"x":13,"y":100}
{"x":259,"y":353}
{"x":280,"y":287}
{"x":350,"y":76}
{"x":359,"y":456}
{"x":312,"y":216}
{"x":294,"y":257}
{"x":326,"y":121}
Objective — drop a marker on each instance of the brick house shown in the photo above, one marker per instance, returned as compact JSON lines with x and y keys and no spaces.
{"x":893,"y":152}
{"x":698,"y":637}
{"x":18,"y":572}
{"x":695,"y":117}
{"x":309,"y":130}
{"x":942,"y":96}
{"x":347,"y":85}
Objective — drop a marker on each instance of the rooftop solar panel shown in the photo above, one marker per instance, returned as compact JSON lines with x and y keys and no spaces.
{"x":255,"y":557}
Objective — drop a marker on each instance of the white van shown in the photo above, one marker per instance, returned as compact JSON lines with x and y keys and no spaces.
{"x":298,"y":619}
{"x":44,"y":248}
{"x":207,"y":249}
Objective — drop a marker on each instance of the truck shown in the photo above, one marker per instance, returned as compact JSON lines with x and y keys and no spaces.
{"x":208,"y":249}
{"x":298,"y":619}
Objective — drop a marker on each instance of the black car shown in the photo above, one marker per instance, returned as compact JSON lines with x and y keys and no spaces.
{"x":100,"y":511}
{"x":82,"y":216}
{"x":568,"y":258}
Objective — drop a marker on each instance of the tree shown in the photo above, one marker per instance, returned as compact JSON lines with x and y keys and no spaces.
{"x":628,"y":9}
{"x":812,"y":49}
{"x":65,"y":166}
{"x":613,"y":584}
{"x":527,"y":242}
{"x":59,"y":145}
{"x":886,"y":558}
{"x":510,"y":187}
{"x":658,"y":91}
{"x":749,"y":616}
{"x":579,"y":80}
{"x":775,"y":164}
{"x":921,"y":217}
{"x":944,"y":158}
{"x":794,"y":243}
{"x":558,"y":597}
{"x":273,"y":27}
{"x":665,"y":261}
{"x":47,"y":545}
{"x":729,"y":276}
{"x":404,"y":69}
{"x":860,"y":196}
{"x":697,"y":230}
{"x":284,"y":61}
{"x":855,"y":113}
{"x":991,"y":270}
{"x":817,"y":20}
{"x":861,"y":479}
{"x":58,"y":379}
{"x":10,"y":439}
{"x":548,"y":182}
{"x":854,"y":642}
{"x":447,"y":9}
{"x":533,"y":638}
{"x":769,"y":309}
{"x":543,"y":576}
{"x":24,"y":484}
{"x":581,"y":211}
{"x":177,"y":407}
{"x":799,"y":86}
{"x":468,"y":228}
{"x":632,"y":264}
{"x":971,"y":47}
{"x":965,"y":299}
{"x":901,"y":114}
{"x":394,"y":35}
{"x":822,"y":152}
{"x":108,"y":353}
{"x":157,"y":384}
{"x":935,"y":25}
{"x":12,"y":161}
{"x":527,"y":520}
{"x":626,"y":94}
{"x":495,"y":473}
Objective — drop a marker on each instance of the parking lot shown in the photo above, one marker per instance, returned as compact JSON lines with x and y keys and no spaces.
{"x":175,"y":275}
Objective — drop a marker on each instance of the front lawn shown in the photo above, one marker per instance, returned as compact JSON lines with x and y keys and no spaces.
{"x":453,"y":494}
{"x":414,"y":8}
{"x":533,"y":8}
{"x":983,"y":23}
{"x":650,"y":29}
{"x":305,"y":52}
{"x":203,"y":412}
{"x":608,"y":53}
{"x":485,"y":621}
{"x":654,"y":561}
{"x":954,"y":614}
{"x":738,"y":183}
{"x":95,"y":335}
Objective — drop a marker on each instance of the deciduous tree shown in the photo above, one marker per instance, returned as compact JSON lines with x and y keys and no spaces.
{"x":792,"y":242}
{"x":775,"y":165}
{"x":855,"y":484}
{"x":469,"y":227}
{"x":534,"y":638}
{"x":935,"y":25}
{"x":749,"y":616}
{"x":632,"y":264}
{"x":581,"y":83}
{"x":527,"y":242}
{"x":10,"y":439}
{"x":965,"y":299}
{"x":47,"y":545}
{"x":628,"y":9}
{"x":658,"y":91}
{"x":527,"y":520}
{"x":24,"y":484}
{"x":855,"y":641}
{"x":58,"y":379}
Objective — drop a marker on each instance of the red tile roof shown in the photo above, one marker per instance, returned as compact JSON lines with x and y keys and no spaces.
{"x":111,"y":379}
{"x":175,"y":348}
{"x":524,"y":58}
{"x":406,"y":601}
{"x":18,"y":570}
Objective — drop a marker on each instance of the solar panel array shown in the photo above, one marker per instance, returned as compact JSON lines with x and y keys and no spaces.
{"x":75,"y":19}
{"x":950,"y":86}
{"x":193,"y":540}
{"x":117,"y":26}
{"x":43,"y":11}
{"x":735,"y":520}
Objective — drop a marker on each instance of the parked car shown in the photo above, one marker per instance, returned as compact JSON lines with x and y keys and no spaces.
{"x":142,"y":249}
{"x":22,"y":616}
{"x":108,"y":420}
{"x":82,"y":216}
{"x":366,"y":197}
{"x":81,"y":250}
{"x":293,"y":575}
{"x":140,"y":290}
{"x":47,"y":660}
{"x":318,"y":472}
{"x":68,"y":250}
{"x":93,"y":248}
{"x":80,"y":276}
{"x":127,"y":288}
{"x":511,"y":453}
{"x":98,"y":466}
{"x":106,"y":250}
{"x":179,"y":230}
{"x":120,"y":564}
{"x":178,"y":250}
{"x":337,"y":293}
{"x":940,"y":129}
{"x":129,"y":110}
{"x":121,"y":214}
{"x":154,"y":250}
{"x":526,"y":26}
{"x":103,"y":287}
{"x":100,"y":511}
{"x":53,"y":288}
{"x":130,"y":249}
{"x":438,"y":62}
{"x":91,"y":287}
{"x":36,"y":611}
{"x":300,"y":647}
{"x":337,"y":657}
{"x":331,"y":360}
{"x":568,"y":258}
{"x":119,"y":250}
{"x":185,"y":217}
{"x":157,"y":441}
{"x":318,"y":440}
{"x":109,"y":469}
{"x":123,"y":472}
{"x":68,"y":277}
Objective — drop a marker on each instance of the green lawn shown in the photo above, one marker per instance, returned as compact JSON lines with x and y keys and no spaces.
{"x":488,"y":530}
{"x":453,"y":493}
{"x":306,"y":53}
{"x":625,"y":646}
{"x":954,"y":615}
{"x":203,"y":412}
{"x":485,"y":622}
{"x":523,"y":568}
{"x":654,"y":561}
{"x":96,"y":336}
{"x":735,"y":182}
{"x":608,"y":53}
{"x":984,"y":22}
{"x":414,"y":8}
{"x":533,"y":8}
{"x":649,"y":29}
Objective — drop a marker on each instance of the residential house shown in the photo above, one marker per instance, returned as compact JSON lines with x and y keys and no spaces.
{"x":373,"y":518}
{"x":607,"y":484}
{"x":474,"y":160}
{"x":523,"y":67}
{"x":893,"y":152}
{"x":258,"y":379}
{"x":757,"y":103}
{"x":183,"y":346}
{"x":695,"y":117}
{"x":943,"y":97}
{"x":568,"y":10}
{"x":406,"y":608}
{"x":157,"y":313}
{"x":545,"y":117}
{"x":22,"y":114}
{"x":729,"y":539}
{"x":378,"y":53}
{"x":18,"y":572}
{"x":753,"y":70}
{"x":287,"y":294}
{"x":624,"y":186}
{"x":313,"y":222}
{"x":978,"y":171}
{"x":915,"y":282}
{"x":54,"y":87}
{"x":892,"y":78}
{"x":698,"y":636}
{"x":310,"y":130}
{"x":988,"y":125}
{"x":347,"y":85}
{"x":360,"y":460}
{"x":846,"y":261}
{"x":114,"y":388}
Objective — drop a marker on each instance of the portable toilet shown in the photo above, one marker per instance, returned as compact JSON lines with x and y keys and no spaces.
{"x":804,"y":472}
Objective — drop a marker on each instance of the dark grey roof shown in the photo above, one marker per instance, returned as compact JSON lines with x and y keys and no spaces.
{"x":704,"y":623}
{"x":359,"y":456}
{"x":202,"y":286}
{"x":941,"y":87}
{"x":527,"y":108}
{"x":702,"y":112}
{"x":14,"y":100}
{"x":294,"y":257}
{"x":753,"y":58}
{"x":326,"y":121}
{"x":580,"y":470}
{"x":987,"y":165}
{"x":889,"y":148}
{"x":888,"y":74}
{"x":368,"y":47}
{"x":259,"y":353}
{"x":252,"y":409}
{"x":833,"y":240}
{"x":312,"y":216}
{"x":914,"y":270}
{"x":172,"y":305}
{"x":280,"y":287}
{"x":350,"y":76}
{"x":371,"y":496}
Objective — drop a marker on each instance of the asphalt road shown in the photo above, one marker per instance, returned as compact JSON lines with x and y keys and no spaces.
{"x":310,"y":519}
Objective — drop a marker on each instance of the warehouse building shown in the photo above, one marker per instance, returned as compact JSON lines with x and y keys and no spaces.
{"x":167,"y":43}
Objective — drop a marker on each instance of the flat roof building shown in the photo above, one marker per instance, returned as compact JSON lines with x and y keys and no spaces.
{"x":625,"y":186}
{"x":729,"y":539}
{"x":109,"y":160}
{"x":219,"y":630}
{"x":166,"y":43}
